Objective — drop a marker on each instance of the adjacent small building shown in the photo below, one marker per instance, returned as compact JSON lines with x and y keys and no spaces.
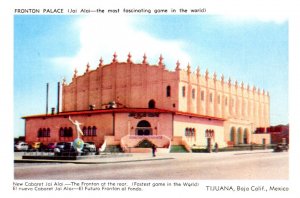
{"x":135,"y":105}
{"x":279,"y":134}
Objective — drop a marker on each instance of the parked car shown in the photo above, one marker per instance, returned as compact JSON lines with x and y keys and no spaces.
{"x":37,"y":146}
{"x":64,"y":148}
{"x":21,"y":146}
{"x":69,"y":147}
{"x":89,"y":147}
{"x":51,"y":146}
{"x":281,"y":147}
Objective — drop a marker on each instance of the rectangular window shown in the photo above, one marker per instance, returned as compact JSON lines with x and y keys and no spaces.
{"x":210,"y":97}
{"x":168,"y":91}
{"x":202,"y":95}
{"x":219,"y":99}
{"x":193,"y":93}
{"x":183,"y":91}
{"x":226,"y":101}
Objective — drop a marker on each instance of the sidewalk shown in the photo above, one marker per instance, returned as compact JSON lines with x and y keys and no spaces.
{"x":99,"y":159}
{"x":138,"y":157}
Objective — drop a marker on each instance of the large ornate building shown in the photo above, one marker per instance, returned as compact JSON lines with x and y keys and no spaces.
{"x":126,"y":104}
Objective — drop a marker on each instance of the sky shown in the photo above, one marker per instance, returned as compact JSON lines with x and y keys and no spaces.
{"x":48,"y":48}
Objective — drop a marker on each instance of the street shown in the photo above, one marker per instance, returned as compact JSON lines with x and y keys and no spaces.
{"x":175,"y":166}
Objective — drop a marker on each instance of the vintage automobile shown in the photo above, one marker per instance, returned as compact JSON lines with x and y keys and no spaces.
{"x":89,"y":147}
{"x":281,"y":147}
{"x":64,"y":148}
{"x":21,"y":146}
{"x":37,"y":146}
{"x":51,"y":146}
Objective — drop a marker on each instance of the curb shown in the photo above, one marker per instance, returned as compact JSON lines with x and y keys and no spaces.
{"x":89,"y":162}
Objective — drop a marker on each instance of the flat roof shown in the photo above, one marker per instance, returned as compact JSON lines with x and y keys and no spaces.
{"x":122,"y":110}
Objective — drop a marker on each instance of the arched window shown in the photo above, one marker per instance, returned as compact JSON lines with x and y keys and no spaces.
{"x":61,"y":132}
{"x":89,"y":131}
{"x":70,"y":132}
{"x":143,"y":128}
{"x":48,"y":132}
{"x":40,"y":132}
{"x":66,"y":132}
{"x":44,"y":133}
{"x":151,"y":104}
{"x":143,"y":123}
{"x":183,"y":91}
{"x":168,"y":91}
{"x":209,"y":133}
{"x":94,"y":131}
{"x":84,"y":131}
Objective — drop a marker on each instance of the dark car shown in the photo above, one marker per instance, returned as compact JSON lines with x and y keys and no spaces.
{"x":60,"y":145}
{"x":64,"y":148}
{"x":89,"y":147}
{"x":281,"y":147}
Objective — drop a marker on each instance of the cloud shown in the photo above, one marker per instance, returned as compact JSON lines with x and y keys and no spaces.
{"x":257,"y":17}
{"x":103,"y":36}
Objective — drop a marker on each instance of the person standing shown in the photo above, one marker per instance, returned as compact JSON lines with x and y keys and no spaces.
{"x":153,"y":150}
{"x":216,"y":147}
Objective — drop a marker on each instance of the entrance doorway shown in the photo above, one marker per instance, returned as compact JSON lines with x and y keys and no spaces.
{"x":151,"y":104}
{"x":143,"y":128}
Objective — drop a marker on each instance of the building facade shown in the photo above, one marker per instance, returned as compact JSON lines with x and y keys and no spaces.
{"x":122,"y":103}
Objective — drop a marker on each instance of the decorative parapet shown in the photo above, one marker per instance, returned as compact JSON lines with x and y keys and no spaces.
{"x":189,"y":71}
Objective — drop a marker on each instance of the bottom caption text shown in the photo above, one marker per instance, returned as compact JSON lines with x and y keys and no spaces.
{"x":135,"y":186}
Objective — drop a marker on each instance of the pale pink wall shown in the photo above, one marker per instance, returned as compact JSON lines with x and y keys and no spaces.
{"x":201,"y":125}
{"x":258,"y":138}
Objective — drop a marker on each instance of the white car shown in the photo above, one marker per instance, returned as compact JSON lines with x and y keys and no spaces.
{"x":89,"y":147}
{"x":21,"y":146}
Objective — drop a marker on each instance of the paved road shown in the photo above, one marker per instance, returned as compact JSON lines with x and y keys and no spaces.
{"x":233,"y":165}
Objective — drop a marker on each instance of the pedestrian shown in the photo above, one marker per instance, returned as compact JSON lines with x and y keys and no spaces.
{"x":216,"y":147}
{"x":153,"y":150}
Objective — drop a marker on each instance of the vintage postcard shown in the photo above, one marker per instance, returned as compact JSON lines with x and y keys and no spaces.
{"x":129,"y":98}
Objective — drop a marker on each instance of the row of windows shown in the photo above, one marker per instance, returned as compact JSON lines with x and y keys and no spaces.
{"x":65,"y":132}
{"x":68,"y":132}
{"x":202,"y":95}
{"x":191,"y":132}
{"x":43,"y":132}
{"x":89,"y":131}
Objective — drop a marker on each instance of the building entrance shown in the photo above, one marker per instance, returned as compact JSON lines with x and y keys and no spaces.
{"x":143,"y":128}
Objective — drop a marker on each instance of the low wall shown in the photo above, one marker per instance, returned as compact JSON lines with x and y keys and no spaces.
{"x":257,"y":138}
{"x":178,"y":140}
{"x":147,"y":150}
